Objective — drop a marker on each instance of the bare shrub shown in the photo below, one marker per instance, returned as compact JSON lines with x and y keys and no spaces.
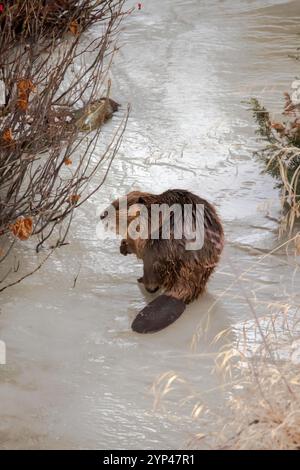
{"x":54,"y":72}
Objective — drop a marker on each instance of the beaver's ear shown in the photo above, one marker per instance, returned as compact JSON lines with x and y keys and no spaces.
{"x":141,"y":200}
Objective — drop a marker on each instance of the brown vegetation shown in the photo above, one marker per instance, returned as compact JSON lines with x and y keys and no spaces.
{"x":281,"y":155}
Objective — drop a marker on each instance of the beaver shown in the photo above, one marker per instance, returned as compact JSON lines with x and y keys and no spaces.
{"x":181,"y":273}
{"x":93,"y":115}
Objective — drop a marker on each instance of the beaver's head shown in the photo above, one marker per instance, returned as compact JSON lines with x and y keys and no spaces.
{"x":112,"y":105}
{"x":117,"y":215}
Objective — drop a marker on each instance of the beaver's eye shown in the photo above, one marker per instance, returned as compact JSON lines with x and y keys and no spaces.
{"x":103,"y":215}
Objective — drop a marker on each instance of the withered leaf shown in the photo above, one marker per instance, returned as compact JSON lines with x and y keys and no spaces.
{"x":25,"y":85}
{"x":23,"y":103}
{"x":74,"y":27}
{"x":22,"y":228}
{"x":278,"y":126}
{"x":7,"y":136}
{"x":74,"y":198}
{"x":24,"y":88}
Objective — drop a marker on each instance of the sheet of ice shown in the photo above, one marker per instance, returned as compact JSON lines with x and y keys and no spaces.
{"x":76,"y":376}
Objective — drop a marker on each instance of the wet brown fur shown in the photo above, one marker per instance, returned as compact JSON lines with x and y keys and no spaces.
{"x":181,"y":273}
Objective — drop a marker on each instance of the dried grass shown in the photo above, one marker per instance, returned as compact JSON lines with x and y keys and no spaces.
{"x":265,"y":405}
{"x":259,"y":373}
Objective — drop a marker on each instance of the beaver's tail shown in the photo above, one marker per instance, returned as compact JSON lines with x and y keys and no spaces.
{"x":158,"y":314}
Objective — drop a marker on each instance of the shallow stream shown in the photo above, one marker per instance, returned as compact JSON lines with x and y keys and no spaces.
{"x":76,"y":375}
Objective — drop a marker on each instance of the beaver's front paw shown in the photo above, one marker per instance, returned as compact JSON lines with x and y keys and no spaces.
{"x":124,"y":248}
{"x":151,"y":289}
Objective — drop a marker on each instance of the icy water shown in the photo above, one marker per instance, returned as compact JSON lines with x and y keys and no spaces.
{"x":76,"y":376}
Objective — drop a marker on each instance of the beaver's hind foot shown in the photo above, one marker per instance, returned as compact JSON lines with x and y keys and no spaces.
{"x":124,"y":248}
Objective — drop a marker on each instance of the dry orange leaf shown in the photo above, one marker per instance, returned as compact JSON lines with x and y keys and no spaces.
{"x":74,"y":198}
{"x":68,"y":161}
{"x":22,"y":228}
{"x":23,"y":104}
{"x":7,"y":135}
{"x":278,"y":126}
{"x":74,"y":27}
{"x":25,"y":86}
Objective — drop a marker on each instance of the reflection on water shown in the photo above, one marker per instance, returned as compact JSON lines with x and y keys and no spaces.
{"x":77,"y":377}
